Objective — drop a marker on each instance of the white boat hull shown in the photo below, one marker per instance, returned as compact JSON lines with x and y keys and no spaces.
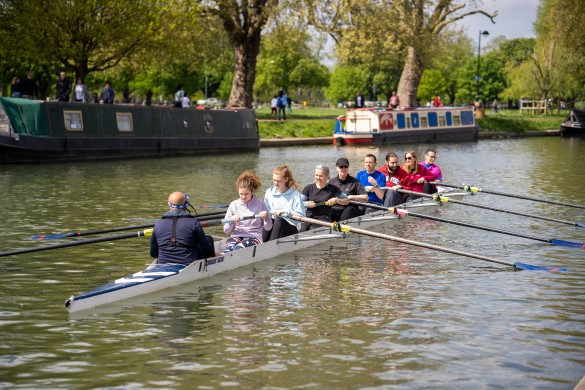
{"x":166,"y":276}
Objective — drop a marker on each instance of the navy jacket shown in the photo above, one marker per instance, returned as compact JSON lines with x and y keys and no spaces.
{"x":191,"y":243}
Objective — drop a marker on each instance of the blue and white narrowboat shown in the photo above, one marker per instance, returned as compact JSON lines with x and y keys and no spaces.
{"x":379,"y":126}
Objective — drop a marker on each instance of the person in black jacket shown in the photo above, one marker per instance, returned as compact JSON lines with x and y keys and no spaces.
{"x":63,"y":88}
{"x":30,"y":90}
{"x":178,"y":237}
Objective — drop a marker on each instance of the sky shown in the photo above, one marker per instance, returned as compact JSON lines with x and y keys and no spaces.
{"x":515,"y":20}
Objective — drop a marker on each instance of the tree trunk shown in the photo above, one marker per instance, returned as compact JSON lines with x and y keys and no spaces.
{"x":410,"y":78}
{"x":246,"y":55}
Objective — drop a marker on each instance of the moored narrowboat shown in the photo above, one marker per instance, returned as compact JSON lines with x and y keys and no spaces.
{"x":37,"y":131}
{"x":379,"y":126}
{"x":574,"y":124}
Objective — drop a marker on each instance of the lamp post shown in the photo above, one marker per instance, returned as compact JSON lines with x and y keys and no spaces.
{"x":478,"y":77}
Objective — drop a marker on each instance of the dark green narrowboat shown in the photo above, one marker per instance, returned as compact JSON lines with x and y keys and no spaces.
{"x":33,"y":131}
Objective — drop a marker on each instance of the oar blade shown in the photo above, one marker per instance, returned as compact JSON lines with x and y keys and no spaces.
{"x":530,"y":267}
{"x":569,"y":244}
{"x":580,"y":224}
{"x":48,"y":237}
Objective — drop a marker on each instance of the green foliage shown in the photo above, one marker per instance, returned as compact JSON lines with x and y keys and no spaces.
{"x":345,"y":82}
{"x":432,"y":83}
{"x":512,"y":121}
{"x":288,"y":66}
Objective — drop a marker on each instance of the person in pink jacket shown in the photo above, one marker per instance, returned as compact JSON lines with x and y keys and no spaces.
{"x":245,"y":233}
{"x":417,"y":174}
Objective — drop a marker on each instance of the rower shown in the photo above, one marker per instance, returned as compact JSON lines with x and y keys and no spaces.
{"x":178,"y":237}
{"x":373,"y":179}
{"x":430,"y":157}
{"x":249,"y":232}
{"x":320,"y":196}
{"x":351,"y":187}
{"x":283,"y":200}
{"x":394,"y":174}
{"x":417,"y":175}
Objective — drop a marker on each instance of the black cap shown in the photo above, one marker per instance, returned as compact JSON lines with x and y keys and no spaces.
{"x":342,"y":161}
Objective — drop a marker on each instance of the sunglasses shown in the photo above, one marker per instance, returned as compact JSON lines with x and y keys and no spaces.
{"x":343,"y":166}
{"x":408,"y":158}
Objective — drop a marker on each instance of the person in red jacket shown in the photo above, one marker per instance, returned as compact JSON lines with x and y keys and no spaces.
{"x":416,"y":176}
{"x":394,"y":174}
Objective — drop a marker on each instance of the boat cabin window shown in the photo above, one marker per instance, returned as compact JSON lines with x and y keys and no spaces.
{"x":449,"y":118}
{"x":433,"y":122}
{"x":456,"y":120}
{"x":73,"y":120}
{"x":442,"y":121}
{"x":424,"y":122}
{"x":408,"y":122}
{"x":467,"y":118}
{"x":124,"y":121}
{"x":414,"y":119}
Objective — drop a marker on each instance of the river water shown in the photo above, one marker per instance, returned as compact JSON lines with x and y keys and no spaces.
{"x":361,"y":314}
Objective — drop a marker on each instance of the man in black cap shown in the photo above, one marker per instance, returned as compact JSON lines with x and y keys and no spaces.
{"x":350,"y":186}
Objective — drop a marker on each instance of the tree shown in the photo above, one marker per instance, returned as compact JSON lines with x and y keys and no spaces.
{"x":559,"y":55}
{"x":83,"y":35}
{"x":243,"y":22}
{"x":345,"y":82}
{"x":290,"y":66}
{"x":411,"y":30}
{"x":432,"y":83}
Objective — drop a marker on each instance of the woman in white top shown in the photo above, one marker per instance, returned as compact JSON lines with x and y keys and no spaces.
{"x":283,"y":199}
{"x":80,"y":94}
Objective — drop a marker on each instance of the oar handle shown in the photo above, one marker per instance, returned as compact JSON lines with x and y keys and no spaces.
{"x":229,"y":220}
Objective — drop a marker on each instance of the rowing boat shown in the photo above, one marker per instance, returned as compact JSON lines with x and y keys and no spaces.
{"x":171,"y":275}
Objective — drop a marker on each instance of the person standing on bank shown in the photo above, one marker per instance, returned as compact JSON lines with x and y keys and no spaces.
{"x":30,"y":90}
{"x":320,"y":196}
{"x":282,"y":102}
{"x":248,"y":232}
{"x":80,"y":94}
{"x":63,"y":88}
{"x":178,"y":237}
{"x":16,"y":88}
{"x":394,"y":174}
{"x":179,"y":95}
{"x":430,"y":157}
{"x":108,"y":93}
{"x":370,"y":177}
{"x":283,"y":200}
{"x":351,"y":187}
{"x":359,"y":100}
{"x":394,"y":101}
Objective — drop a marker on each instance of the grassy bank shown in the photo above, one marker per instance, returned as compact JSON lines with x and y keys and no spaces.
{"x":319,"y":122}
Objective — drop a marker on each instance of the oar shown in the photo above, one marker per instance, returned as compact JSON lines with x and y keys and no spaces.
{"x":212,"y":206}
{"x":403,"y":212}
{"x":511,"y":195}
{"x":445,"y":199}
{"x":346,"y":228}
{"x":147,"y":232}
{"x":48,"y":237}
{"x":227,"y":220}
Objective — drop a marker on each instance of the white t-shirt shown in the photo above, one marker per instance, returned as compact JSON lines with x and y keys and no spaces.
{"x":274,"y":103}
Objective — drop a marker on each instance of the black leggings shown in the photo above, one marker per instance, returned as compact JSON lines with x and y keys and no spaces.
{"x":280,"y":228}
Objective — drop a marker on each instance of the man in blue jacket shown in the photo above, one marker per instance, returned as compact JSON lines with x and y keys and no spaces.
{"x":178,"y":237}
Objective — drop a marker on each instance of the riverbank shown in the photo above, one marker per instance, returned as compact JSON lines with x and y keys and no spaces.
{"x":277,"y":142}
{"x":316,"y":123}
